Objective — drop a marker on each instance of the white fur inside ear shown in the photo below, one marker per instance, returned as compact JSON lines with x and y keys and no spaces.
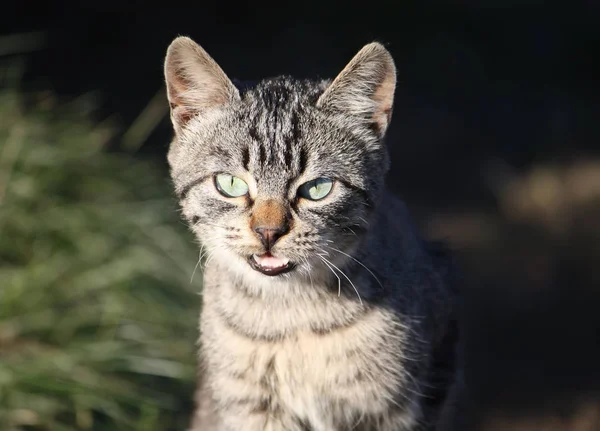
{"x":365,"y":88}
{"x":195,"y":82}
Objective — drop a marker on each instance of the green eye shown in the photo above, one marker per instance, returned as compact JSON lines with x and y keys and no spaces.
{"x":316,"y":189}
{"x":230,"y":186}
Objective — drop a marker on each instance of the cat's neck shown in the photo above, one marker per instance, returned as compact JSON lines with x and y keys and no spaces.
{"x":280,"y":308}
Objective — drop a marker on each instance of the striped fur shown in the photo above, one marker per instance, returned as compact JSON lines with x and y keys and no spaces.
{"x":346,"y":339}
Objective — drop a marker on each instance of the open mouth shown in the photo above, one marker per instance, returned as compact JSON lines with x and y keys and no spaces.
{"x":269,"y":264}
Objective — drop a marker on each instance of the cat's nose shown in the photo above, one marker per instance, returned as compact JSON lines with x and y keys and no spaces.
{"x":270,"y":220}
{"x":269,"y":235}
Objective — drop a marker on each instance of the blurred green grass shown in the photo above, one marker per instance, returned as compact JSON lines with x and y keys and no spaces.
{"x":98,"y":318}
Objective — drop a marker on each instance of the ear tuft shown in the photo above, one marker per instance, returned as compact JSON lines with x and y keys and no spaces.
{"x":195,"y":82}
{"x":365,"y":88}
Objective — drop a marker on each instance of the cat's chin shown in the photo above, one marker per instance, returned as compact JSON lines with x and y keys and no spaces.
{"x":268,"y":264}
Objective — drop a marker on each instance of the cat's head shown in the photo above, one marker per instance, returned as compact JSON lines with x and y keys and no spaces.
{"x":279,"y":180}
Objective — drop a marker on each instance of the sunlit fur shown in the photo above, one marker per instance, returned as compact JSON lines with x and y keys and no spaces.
{"x":344,"y":340}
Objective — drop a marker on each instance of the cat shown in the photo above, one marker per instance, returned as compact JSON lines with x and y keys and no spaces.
{"x":322,"y":308}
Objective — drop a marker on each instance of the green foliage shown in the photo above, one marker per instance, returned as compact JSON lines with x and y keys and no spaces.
{"x":98,"y":318}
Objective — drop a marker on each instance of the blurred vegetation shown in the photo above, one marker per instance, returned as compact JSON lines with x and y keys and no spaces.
{"x":98,"y":318}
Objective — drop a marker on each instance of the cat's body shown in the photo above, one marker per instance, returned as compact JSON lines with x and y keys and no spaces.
{"x":322,"y":309}
{"x":324,"y":360}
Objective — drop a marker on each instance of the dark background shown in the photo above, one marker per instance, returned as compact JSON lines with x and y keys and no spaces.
{"x":515,"y":80}
{"x":488,"y":92}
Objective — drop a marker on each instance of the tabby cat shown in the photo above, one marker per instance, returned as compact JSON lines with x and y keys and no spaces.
{"x":323,"y":310}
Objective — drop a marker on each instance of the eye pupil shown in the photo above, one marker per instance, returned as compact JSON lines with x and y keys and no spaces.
{"x":316,"y":189}
{"x":230,"y":186}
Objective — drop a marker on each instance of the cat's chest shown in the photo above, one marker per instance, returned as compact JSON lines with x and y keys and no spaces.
{"x":317,"y":377}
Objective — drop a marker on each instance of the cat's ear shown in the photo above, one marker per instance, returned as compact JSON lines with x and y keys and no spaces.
{"x":365,"y":88}
{"x":195,"y":82}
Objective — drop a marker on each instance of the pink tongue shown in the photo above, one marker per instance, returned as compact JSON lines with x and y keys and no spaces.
{"x":270,"y":261}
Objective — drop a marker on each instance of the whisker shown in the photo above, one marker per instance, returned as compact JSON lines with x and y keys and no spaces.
{"x":350,"y":229}
{"x":347,"y":278}
{"x":202,"y":255}
{"x":357,"y":261}
{"x":210,"y":256}
{"x":333,"y":272}
{"x":304,"y":259}
{"x":197,"y":264}
{"x":204,"y":251}
{"x":198,"y":223}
